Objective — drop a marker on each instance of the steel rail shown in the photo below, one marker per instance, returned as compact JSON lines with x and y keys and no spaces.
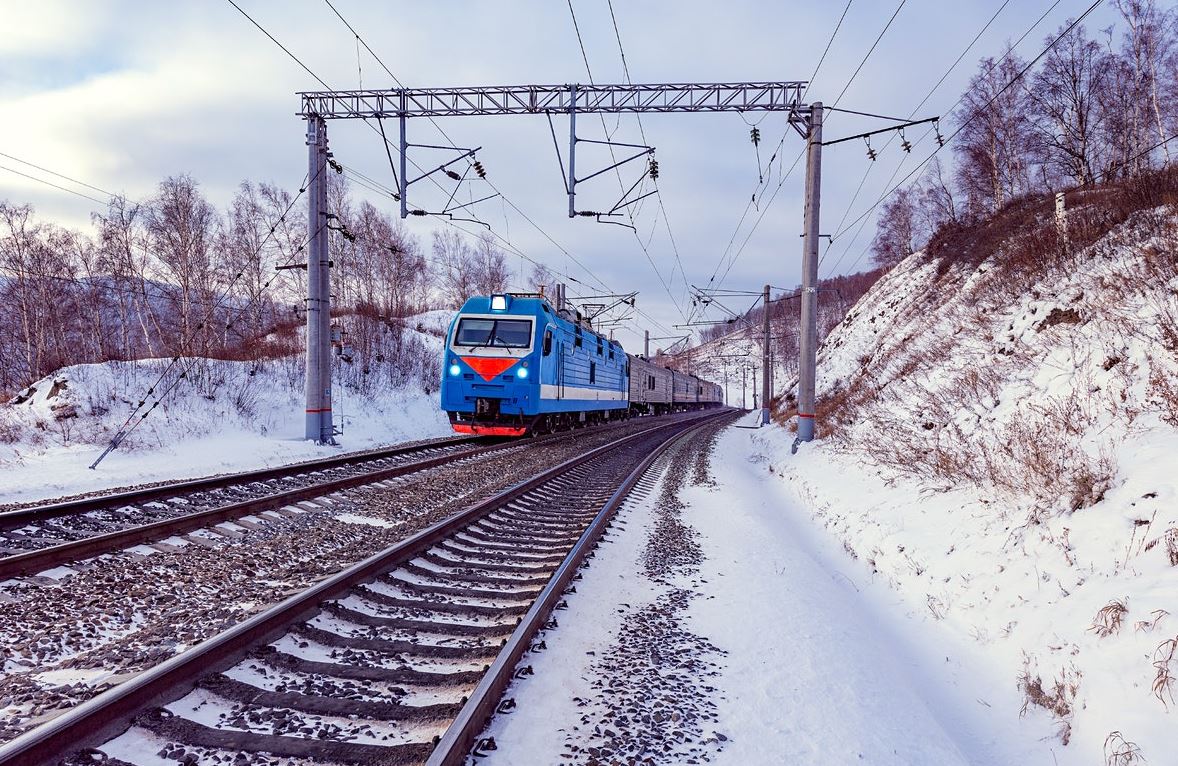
{"x":20,"y":517}
{"x":107,"y":714}
{"x":454,"y":747}
{"x":88,"y":547}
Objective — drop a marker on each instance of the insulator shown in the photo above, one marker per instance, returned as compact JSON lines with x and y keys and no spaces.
{"x":871,"y":154}
{"x":338,"y":168}
{"x":418,"y":212}
{"x":654,"y":170}
{"x":454,"y":176}
{"x":587,"y":213}
{"x":479,"y":169}
{"x":755,"y":135}
{"x":940,"y":138}
{"x":906,"y":145}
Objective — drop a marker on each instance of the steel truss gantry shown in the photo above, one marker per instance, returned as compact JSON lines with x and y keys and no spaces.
{"x":570,"y":99}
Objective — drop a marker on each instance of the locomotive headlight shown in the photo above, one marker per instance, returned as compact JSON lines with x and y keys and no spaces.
{"x":455,"y":369}
{"x":523,"y":372}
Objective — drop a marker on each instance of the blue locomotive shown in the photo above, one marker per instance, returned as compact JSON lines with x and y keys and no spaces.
{"x":515,"y":365}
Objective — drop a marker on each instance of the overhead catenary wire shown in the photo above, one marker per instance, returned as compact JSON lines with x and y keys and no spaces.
{"x":923,"y":101}
{"x":410,"y":160}
{"x":503,"y":197}
{"x":55,"y":186}
{"x":1016,"y":78}
{"x":642,"y":134}
{"x":630,"y":213}
{"x":797,"y":159}
{"x":59,"y":175}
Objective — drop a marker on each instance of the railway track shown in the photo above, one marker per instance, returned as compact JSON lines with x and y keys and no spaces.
{"x":39,"y":538}
{"x":42,"y":537}
{"x":399,"y":659}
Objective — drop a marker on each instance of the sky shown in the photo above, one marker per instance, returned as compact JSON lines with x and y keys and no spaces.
{"x":119,"y":94}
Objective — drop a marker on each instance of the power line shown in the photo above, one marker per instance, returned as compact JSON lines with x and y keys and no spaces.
{"x":972,"y":115}
{"x":490,"y":183}
{"x":870,"y":50}
{"x":642,"y":133}
{"x":59,"y":175}
{"x":618,"y":172}
{"x":923,"y":101}
{"x":273,"y":39}
{"x":410,"y":160}
{"x":55,"y":186}
{"x":829,"y":42}
{"x":123,"y":431}
{"x":797,"y":159}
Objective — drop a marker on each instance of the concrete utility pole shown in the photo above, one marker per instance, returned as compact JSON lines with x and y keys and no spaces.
{"x":807,"y":372}
{"x":646,"y":346}
{"x":318,"y":383}
{"x":765,"y":391}
{"x":744,"y":384}
{"x":754,"y":388}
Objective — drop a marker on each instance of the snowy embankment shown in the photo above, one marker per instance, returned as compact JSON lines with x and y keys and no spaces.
{"x":221,"y":417}
{"x":999,"y":449}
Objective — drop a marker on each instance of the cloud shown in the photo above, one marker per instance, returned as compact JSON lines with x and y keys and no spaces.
{"x":121,"y":94}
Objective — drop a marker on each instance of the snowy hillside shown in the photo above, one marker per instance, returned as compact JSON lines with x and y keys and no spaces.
{"x":998,"y":440}
{"x":221,"y":416}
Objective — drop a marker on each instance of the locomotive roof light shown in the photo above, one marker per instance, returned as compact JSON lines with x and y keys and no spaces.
{"x":498,"y":303}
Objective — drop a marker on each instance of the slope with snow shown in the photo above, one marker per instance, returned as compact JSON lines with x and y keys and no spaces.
{"x":997,"y":442}
{"x":223,"y":416}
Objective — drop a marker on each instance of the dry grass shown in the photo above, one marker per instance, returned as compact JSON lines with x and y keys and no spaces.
{"x":1120,"y":752}
{"x":1108,"y":620}
{"x":1058,"y":698}
{"x":1148,"y":625}
{"x":1169,"y":540}
{"x":1166,"y":664}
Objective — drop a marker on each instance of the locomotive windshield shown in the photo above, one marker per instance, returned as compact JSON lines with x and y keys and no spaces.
{"x":503,"y":333}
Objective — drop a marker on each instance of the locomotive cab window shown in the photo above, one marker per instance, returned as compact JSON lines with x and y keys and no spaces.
{"x":500,"y":333}
{"x":547,"y":342}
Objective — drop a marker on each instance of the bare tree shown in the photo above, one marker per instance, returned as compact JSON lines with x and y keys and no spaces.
{"x":543,"y":280}
{"x":452,"y":257}
{"x":937,"y":205}
{"x":122,"y":253}
{"x":241,"y":246}
{"x":993,"y":146}
{"x":1146,"y":47}
{"x":489,"y":265}
{"x":896,"y":230}
{"x":1064,"y":98}
{"x":181,"y":225}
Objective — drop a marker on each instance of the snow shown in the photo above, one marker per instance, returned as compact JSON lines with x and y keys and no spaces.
{"x":997,"y":451}
{"x":824,"y":663}
{"x":233,"y":416}
{"x":354,"y":518}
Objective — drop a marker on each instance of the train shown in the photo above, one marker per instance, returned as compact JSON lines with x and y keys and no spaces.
{"x":515,"y":365}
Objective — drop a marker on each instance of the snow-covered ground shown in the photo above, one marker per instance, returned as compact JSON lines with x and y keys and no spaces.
{"x":223,"y":417}
{"x":813,"y":657}
{"x":995,"y":487}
